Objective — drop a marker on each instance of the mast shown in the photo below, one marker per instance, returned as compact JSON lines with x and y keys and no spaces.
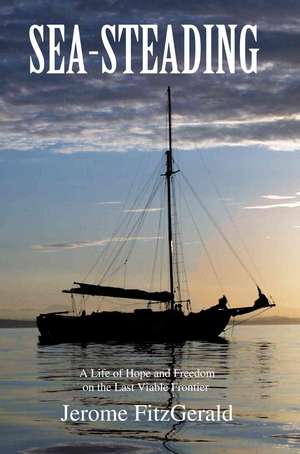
{"x":169,"y":173}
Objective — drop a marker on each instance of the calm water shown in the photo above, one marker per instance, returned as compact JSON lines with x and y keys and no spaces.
{"x":257,"y":371}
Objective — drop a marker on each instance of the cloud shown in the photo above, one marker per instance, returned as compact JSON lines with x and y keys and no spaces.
{"x":47,"y":247}
{"x":142,"y":210}
{"x":278,"y":197}
{"x":102,"y":113}
{"x":112,"y":202}
{"x":275,"y":205}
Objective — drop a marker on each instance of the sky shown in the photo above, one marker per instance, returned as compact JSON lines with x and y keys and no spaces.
{"x":71,"y":146}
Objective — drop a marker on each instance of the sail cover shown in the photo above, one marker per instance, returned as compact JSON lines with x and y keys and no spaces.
{"x":116,"y":292}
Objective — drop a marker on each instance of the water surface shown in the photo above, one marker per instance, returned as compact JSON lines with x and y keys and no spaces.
{"x":256,"y":371}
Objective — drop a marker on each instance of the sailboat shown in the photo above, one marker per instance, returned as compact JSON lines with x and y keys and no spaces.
{"x":176,"y":320}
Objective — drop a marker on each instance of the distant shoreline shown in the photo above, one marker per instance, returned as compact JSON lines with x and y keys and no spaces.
{"x":11,"y":323}
{"x":277,"y":320}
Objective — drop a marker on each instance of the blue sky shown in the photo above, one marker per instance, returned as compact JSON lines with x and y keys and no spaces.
{"x":70,"y":144}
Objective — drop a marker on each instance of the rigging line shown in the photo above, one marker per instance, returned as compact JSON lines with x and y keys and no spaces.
{"x":153,"y":176}
{"x":248,"y":318}
{"x":136,"y":201}
{"x":175,"y":243}
{"x":214,"y":270}
{"x":117,"y":302}
{"x":100,"y":301}
{"x":181,"y":235}
{"x":136,"y":226}
{"x":181,"y":277}
{"x":230,"y":217}
{"x":125,"y":273}
{"x":109,"y":276}
{"x":220,"y":231}
{"x":126,"y":218}
{"x":186,"y":282}
{"x":163,"y":247}
{"x":140,"y":225}
{"x":144,"y":214}
{"x":132,"y":245}
{"x":134,"y":230}
{"x":120,"y":224}
{"x":131,"y":216}
{"x":138,"y":172}
{"x":139,"y":197}
{"x":157,"y":243}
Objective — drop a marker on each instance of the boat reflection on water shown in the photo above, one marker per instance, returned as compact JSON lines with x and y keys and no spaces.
{"x":264,"y":378}
{"x":65,"y":385}
{"x":256,"y":371}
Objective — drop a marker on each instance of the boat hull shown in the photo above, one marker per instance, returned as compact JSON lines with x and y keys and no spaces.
{"x":142,"y":325}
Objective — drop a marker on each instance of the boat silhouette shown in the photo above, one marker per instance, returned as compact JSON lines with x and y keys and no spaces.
{"x":175,"y":322}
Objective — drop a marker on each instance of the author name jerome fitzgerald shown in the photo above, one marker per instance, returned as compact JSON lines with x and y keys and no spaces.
{"x":148,"y":413}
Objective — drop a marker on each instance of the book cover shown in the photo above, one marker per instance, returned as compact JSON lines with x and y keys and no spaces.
{"x":150,"y":194}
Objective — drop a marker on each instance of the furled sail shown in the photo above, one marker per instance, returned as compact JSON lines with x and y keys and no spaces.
{"x":116,"y":292}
